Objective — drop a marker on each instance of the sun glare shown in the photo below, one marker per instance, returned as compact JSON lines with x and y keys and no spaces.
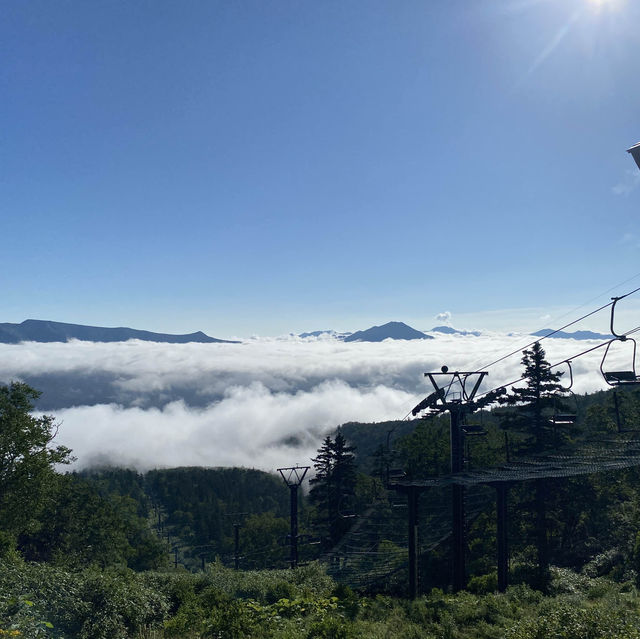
{"x":604,"y":4}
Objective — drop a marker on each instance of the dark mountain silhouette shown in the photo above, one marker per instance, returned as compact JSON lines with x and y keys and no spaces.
{"x":546,"y":332}
{"x":453,"y":331}
{"x":393,"y":330}
{"x":45,"y":331}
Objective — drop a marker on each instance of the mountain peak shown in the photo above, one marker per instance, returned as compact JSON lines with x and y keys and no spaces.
{"x":549,"y":332}
{"x":390,"y":330}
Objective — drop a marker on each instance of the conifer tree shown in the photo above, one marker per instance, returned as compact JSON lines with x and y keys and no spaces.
{"x":332,"y":488}
{"x":536,"y":403}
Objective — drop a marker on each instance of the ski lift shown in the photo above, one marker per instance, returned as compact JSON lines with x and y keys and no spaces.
{"x":472,"y":430}
{"x":560,"y":418}
{"x":624,"y":377}
{"x":476,"y":428}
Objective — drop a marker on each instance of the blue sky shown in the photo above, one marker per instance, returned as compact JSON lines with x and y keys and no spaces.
{"x":265,"y":167}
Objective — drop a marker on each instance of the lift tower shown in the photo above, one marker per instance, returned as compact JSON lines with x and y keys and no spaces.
{"x":455,"y":392}
{"x":293,"y":477}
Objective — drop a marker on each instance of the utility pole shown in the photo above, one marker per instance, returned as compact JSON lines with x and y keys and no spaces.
{"x":236,"y":546}
{"x":502,"y":490}
{"x":293,"y":477}
{"x":413,"y":493}
{"x":236,"y":538}
{"x":457,"y":499}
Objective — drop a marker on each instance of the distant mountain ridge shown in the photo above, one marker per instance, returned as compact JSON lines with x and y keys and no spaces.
{"x":447,"y":330}
{"x":546,"y":332}
{"x":328,"y":333}
{"x":390,"y":330}
{"x":46,"y":331}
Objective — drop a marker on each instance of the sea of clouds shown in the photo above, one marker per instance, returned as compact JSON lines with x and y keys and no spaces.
{"x":264,"y":403}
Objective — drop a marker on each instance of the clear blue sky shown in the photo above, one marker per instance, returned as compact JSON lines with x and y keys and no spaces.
{"x":273,"y":166}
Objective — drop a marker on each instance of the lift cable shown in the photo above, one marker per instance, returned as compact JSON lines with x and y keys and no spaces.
{"x":564,"y":361}
{"x":577,"y":308}
{"x":554,"y":332}
{"x":597,"y":310}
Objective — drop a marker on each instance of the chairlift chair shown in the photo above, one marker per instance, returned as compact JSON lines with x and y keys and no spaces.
{"x":559,"y":418}
{"x":472,"y":430}
{"x":620,"y":378}
{"x":624,"y":377}
{"x":475,"y":429}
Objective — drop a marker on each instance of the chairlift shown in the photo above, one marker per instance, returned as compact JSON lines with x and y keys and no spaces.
{"x":620,"y":378}
{"x":624,"y":377}
{"x":562,"y":418}
{"x":472,"y":430}
{"x":475,"y":429}
{"x":394,"y":475}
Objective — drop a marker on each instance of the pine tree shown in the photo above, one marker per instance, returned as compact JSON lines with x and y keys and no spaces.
{"x":536,"y":403}
{"x":332,"y":488}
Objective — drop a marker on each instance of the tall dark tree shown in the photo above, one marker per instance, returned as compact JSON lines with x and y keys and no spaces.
{"x":537,"y":402}
{"x":333,"y":487}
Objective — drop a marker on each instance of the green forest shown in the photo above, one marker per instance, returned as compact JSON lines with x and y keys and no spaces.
{"x":206,"y":552}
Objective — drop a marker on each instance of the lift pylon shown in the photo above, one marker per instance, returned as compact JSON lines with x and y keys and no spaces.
{"x":455,"y":392}
{"x":293,"y":477}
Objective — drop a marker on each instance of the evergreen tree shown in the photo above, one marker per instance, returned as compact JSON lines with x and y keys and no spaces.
{"x":536,"y":403}
{"x":332,"y":488}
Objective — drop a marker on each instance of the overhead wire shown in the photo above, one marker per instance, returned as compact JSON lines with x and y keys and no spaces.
{"x":558,"y":330}
{"x":555,"y":332}
{"x":571,"y":358}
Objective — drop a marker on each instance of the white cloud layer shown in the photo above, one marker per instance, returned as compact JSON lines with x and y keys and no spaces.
{"x":251,"y":427}
{"x":264,"y":403}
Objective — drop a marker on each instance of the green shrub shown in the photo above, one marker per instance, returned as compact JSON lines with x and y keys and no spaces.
{"x":331,"y":628}
{"x":569,"y":620}
{"x":19,"y":618}
{"x":483,"y":584}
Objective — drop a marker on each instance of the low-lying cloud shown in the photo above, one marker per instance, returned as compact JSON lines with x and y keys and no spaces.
{"x":251,"y":426}
{"x":264,"y":403}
